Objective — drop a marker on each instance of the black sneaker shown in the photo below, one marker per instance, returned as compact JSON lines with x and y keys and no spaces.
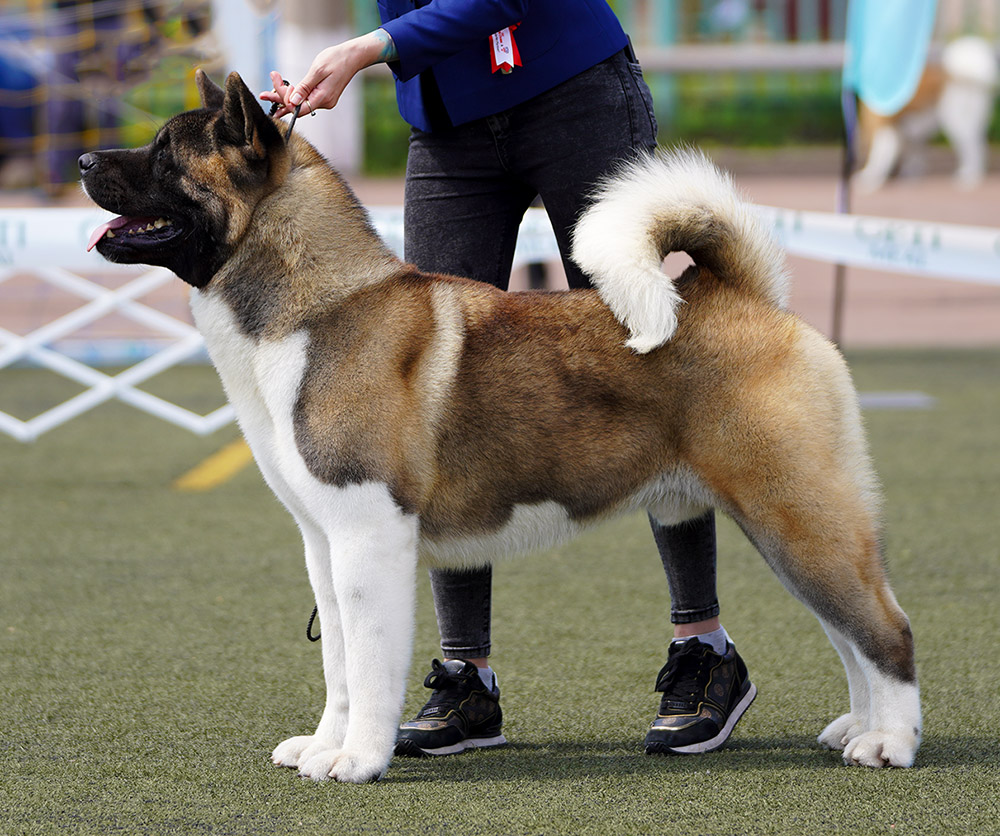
{"x":461,"y":714}
{"x":704,"y":695}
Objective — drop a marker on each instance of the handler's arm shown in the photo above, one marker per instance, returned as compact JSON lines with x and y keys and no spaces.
{"x":410,"y":44}
{"x":330,"y":73}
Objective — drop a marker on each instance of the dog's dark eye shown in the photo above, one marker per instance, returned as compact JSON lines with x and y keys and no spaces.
{"x":162,"y":156}
{"x":161,"y":146}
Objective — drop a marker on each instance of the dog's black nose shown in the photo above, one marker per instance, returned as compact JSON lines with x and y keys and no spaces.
{"x":87,"y":162}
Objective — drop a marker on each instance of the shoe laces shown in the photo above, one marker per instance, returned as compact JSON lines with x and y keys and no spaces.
{"x":448,"y":687}
{"x":682,"y":679}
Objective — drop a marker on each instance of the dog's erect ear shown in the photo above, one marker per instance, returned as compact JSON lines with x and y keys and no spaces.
{"x":212,"y":96}
{"x":244,"y":122}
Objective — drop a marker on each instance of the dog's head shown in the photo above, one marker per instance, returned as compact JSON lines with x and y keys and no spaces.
{"x":186,"y":198}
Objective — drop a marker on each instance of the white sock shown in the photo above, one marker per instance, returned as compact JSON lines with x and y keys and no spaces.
{"x":717,"y":640}
{"x":489,"y":677}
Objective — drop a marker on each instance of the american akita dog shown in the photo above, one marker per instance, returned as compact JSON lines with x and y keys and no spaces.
{"x":403,"y":417}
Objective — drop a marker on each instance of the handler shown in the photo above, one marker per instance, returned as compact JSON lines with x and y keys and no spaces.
{"x":510,"y":100}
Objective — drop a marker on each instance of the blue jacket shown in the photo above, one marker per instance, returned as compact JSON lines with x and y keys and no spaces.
{"x":557,"y":39}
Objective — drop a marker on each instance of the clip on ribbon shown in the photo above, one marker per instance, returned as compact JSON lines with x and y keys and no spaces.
{"x":503,"y":50}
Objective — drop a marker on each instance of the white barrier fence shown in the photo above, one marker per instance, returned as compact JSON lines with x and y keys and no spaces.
{"x":944,"y":251}
{"x":50,"y":246}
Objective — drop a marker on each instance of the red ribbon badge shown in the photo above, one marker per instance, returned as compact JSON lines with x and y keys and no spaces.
{"x":503,"y":50}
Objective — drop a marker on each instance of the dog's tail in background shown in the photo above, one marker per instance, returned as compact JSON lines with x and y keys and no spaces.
{"x":971,"y":59}
{"x":672,"y":201}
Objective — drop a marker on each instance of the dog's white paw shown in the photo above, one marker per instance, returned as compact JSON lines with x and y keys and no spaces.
{"x":340,"y":765}
{"x":289,"y":752}
{"x":842,"y":731}
{"x":867,"y":182}
{"x":354,"y":768}
{"x":882,"y":748}
{"x":317,"y":761}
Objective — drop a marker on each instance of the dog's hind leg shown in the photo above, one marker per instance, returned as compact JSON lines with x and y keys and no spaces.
{"x":830,"y":560}
{"x":883,"y":156}
{"x":965,"y":111}
{"x":798,"y":480}
{"x":845,"y":728}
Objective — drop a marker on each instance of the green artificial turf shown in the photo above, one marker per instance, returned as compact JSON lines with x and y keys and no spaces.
{"x":153,"y":650}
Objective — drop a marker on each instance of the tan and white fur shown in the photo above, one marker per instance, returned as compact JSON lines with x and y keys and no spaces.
{"x":955,"y":96}
{"x":405,"y":418}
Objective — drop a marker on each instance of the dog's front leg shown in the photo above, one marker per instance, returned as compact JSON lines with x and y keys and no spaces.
{"x":329,"y":734}
{"x":373,"y":556}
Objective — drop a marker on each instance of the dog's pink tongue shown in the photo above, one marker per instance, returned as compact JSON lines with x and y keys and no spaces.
{"x":101,"y":231}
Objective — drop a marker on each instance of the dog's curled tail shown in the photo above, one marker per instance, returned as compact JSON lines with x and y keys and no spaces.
{"x":971,"y":60}
{"x":671,"y":201}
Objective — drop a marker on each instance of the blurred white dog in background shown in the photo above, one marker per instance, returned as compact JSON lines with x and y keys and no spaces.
{"x":955,"y":96}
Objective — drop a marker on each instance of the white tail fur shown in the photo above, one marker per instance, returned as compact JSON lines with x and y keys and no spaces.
{"x":671,"y":202}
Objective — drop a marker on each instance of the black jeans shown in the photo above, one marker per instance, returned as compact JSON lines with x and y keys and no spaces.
{"x":467,"y":189}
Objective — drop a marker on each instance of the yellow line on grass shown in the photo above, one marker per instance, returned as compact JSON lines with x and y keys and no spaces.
{"x":218,"y":468}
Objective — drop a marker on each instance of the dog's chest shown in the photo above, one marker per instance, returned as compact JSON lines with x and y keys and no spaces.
{"x":261,"y":377}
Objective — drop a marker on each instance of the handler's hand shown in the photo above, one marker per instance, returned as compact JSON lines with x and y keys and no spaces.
{"x":329,"y":74}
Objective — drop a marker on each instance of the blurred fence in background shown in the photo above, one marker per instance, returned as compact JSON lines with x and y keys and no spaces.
{"x":81,"y":74}
{"x":75,"y":76}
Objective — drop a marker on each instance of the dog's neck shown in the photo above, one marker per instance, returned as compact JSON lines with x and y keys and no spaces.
{"x":308,"y":246}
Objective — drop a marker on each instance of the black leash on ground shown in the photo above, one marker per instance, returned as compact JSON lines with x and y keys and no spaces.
{"x":291,"y":124}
